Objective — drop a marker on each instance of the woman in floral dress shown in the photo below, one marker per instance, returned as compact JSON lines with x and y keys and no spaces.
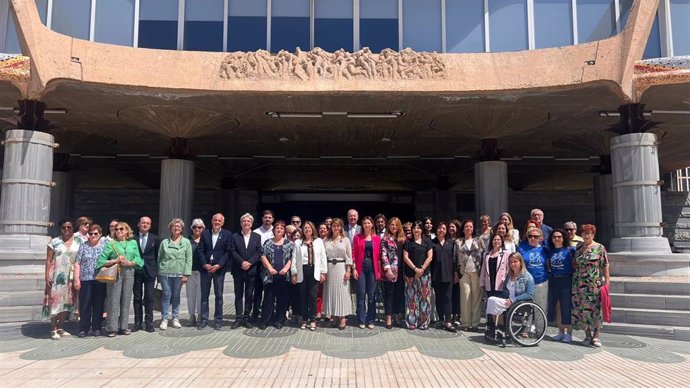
{"x":590,"y":273}
{"x":59,"y":275}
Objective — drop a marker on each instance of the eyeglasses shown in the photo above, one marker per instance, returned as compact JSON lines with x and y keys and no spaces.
{"x":93,"y":233}
{"x":66,"y":227}
{"x":569,"y":229}
{"x":533,"y":236}
{"x":197,"y":227}
{"x":120,"y":229}
{"x":86,"y":224}
{"x":296,"y":222}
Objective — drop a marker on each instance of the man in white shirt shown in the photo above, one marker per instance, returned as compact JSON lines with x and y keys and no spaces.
{"x":266,"y":228}
{"x":266,"y":233}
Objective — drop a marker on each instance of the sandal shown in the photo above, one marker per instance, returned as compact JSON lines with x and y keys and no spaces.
{"x":596,"y":342}
{"x":63,"y":333}
{"x":304,"y":326}
{"x":111,"y":334}
{"x":124,"y":332}
{"x":54,"y":335}
{"x":370,"y":326}
{"x":312,"y":326}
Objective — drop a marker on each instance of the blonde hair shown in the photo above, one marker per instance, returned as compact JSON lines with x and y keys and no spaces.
{"x":516,"y":255}
{"x":130,"y":234}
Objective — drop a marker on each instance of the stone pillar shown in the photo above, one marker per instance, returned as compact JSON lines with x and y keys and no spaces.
{"x":61,"y":197}
{"x":26,"y":183}
{"x":491,"y":188}
{"x":603,"y":208}
{"x":176,"y":193}
{"x":636,"y":195}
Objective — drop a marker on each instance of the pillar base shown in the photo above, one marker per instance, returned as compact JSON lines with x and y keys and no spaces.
{"x":23,"y":254}
{"x":636,"y":245}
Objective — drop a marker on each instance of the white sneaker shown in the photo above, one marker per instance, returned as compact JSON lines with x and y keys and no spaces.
{"x":558,"y":337}
{"x":164,"y":324}
{"x":567,"y":338}
{"x":176,"y":323}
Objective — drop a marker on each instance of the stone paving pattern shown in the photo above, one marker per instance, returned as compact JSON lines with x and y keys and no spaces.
{"x":330,"y":357}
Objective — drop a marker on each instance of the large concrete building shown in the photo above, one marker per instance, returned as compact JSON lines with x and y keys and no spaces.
{"x":448,"y":108}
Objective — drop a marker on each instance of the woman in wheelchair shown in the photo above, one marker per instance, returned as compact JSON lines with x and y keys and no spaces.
{"x":519,"y":286}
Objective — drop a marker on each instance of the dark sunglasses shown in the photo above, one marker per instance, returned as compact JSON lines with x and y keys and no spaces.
{"x":197,"y":227}
{"x":66,"y":227}
{"x":93,"y":233}
{"x":569,"y":230}
{"x":120,"y":229}
{"x":533,"y":236}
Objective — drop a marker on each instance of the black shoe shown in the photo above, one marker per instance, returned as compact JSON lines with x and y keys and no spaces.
{"x":96,"y":333}
{"x":451,"y":328}
{"x":82,"y":334}
{"x":389,"y":326}
{"x":136,"y":328}
{"x":123,"y":332}
{"x":192,"y":321}
{"x":218,"y":325}
{"x":248,"y":324}
{"x":236,"y":324}
{"x":278,"y":326}
{"x":202,"y":325}
{"x":150,"y":329}
{"x":262,"y":326}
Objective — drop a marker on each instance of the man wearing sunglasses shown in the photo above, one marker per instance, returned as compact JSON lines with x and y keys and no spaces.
{"x":570,"y":228}
{"x":145,"y":277}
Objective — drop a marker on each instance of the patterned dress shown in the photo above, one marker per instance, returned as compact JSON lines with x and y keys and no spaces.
{"x":588,"y":277}
{"x":336,"y":293}
{"x":417,"y":291}
{"x":59,"y":297}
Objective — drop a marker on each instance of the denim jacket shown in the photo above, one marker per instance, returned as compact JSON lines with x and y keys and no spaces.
{"x":524,"y":288}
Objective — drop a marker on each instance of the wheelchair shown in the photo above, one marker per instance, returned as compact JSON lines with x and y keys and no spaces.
{"x":523,"y":323}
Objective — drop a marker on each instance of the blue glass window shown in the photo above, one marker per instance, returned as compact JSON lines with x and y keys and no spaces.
{"x":115,"y":22}
{"x":553,"y":23}
{"x":464,"y":26}
{"x":596,"y":19}
{"x":203,"y":25}
{"x":422,"y":25}
{"x":158,"y":24}
{"x":625,"y":7}
{"x":653,"y":48}
{"x":290,"y":25}
{"x":247,"y":25}
{"x":333,"y":24}
{"x":11,"y":40}
{"x":378,"y":24}
{"x":42,"y":6}
{"x":508,"y":25}
{"x":72,"y":17}
{"x":680,"y":25}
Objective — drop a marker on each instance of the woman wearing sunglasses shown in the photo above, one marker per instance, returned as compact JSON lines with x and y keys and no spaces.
{"x":91,"y":292}
{"x":193,"y":285}
{"x":124,"y":252}
{"x":536,"y":256}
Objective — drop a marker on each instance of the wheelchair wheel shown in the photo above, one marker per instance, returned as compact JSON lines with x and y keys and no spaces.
{"x":526,"y":324}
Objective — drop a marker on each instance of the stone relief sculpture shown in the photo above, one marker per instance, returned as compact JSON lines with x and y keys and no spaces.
{"x":320,"y":64}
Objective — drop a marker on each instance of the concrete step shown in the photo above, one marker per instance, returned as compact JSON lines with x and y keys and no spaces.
{"x":647,"y":301}
{"x":666,"y":332}
{"x":13,"y":283}
{"x":654,"y":286}
{"x":21,"y":298}
{"x":651,"y":316}
{"x":20,"y":313}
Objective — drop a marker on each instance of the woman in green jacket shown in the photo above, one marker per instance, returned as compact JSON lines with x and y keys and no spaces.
{"x":122,"y":251}
{"x":174,"y":266}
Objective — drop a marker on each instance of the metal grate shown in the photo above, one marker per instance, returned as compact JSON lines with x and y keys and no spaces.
{"x":681,"y":179}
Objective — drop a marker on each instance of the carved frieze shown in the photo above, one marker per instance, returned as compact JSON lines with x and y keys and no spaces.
{"x":318,"y":64}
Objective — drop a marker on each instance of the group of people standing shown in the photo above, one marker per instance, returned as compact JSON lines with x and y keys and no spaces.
{"x":312,"y":269}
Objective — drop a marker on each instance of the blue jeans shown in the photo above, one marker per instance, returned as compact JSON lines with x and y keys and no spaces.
{"x":366,"y":289}
{"x":172,"y":286}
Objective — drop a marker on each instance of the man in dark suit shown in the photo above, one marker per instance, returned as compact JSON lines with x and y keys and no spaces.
{"x":246,"y":254}
{"x":145,"y":277}
{"x":216,"y":245}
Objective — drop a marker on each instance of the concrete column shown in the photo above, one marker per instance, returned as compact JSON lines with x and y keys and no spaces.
{"x":176,"y":193}
{"x":491,"y":188}
{"x":636,"y":195}
{"x":26,"y":182}
{"x":61,"y":199}
{"x":603,"y":207}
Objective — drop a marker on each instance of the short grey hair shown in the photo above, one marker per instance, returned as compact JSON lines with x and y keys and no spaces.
{"x":570,"y":223}
{"x":534,"y":211}
{"x":176,"y":221}
{"x":197,"y":222}
{"x":247,"y":215}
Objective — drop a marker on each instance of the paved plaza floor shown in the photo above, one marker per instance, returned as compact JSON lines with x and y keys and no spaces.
{"x":328,"y":357}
